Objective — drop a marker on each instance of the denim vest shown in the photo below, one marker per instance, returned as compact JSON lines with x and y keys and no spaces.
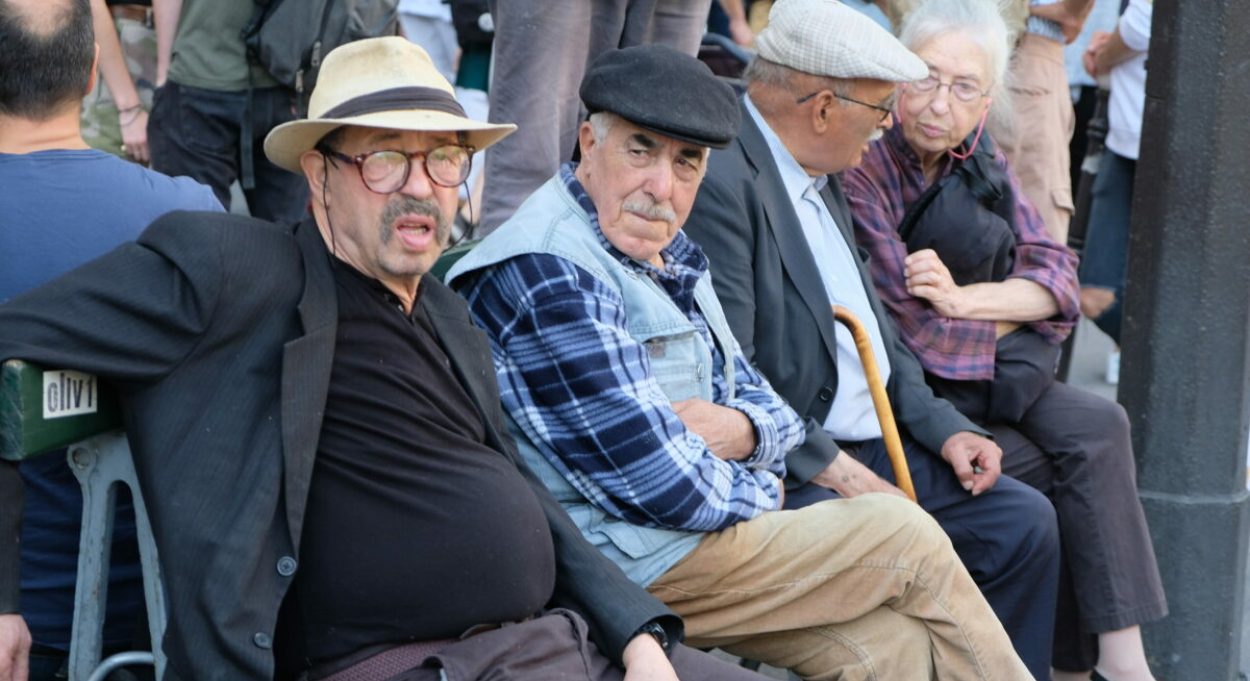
{"x":551,"y":222}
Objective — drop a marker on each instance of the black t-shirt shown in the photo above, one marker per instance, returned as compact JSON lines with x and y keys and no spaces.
{"x":415,"y":529}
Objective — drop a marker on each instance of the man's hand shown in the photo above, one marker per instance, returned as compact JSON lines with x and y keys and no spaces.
{"x":850,"y":478}
{"x":926,"y":277}
{"x":977,"y":460}
{"x":1070,"y":19}
{"x":14,"y":648}
{"x":1097,"y":43}
{"x":727,"y":432}
{"x":645,"y":660}
{"x":134,"y":127}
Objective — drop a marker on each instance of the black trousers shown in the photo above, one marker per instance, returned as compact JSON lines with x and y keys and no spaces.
{"x":1006,"y":537}
{"x":199,"y":133}
{"x":1074,"y":447}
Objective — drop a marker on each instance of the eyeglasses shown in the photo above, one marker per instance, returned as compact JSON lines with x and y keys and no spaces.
{"x":963,"y":90}
{"x":385,"y":172}
{"x":884,"y":109}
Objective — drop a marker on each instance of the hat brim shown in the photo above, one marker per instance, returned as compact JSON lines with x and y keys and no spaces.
{"x":285,"y":144}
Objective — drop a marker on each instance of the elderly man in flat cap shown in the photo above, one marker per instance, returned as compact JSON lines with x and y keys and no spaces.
{"x":317,"y":425}
{"x":776,"y":229}
{"x":631,"y":400}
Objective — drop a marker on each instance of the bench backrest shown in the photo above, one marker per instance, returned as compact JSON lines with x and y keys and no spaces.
{"x":46,"y":410}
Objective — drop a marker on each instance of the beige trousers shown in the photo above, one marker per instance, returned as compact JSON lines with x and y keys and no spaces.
{"x":865,"y":588}
{"x":1037,"y":146}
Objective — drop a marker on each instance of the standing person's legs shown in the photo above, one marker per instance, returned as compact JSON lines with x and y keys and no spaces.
{"x":1094,"y":488}
{"x":540,"y":54}
{"x":1006,"y":537}
{"x":437,"y":37}
{"x":680,"y":24}
{"x":279,"y":195}
{"x":195,"y":132}
{"x":820,"y":590}
{"x":1038,"y":146}
{"x":1106,"y":243}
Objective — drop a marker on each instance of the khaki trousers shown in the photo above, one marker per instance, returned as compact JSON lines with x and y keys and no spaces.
{"x":865,"y":588}
{"x":1037,"y":145}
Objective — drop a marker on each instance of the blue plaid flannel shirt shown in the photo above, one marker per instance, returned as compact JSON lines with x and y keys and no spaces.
{"x":581,"y":388}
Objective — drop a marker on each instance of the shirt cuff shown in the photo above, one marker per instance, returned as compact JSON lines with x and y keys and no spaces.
{"x":767,"y":439}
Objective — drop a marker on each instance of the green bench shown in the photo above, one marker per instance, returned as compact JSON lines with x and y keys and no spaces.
{"x":45,"y":410}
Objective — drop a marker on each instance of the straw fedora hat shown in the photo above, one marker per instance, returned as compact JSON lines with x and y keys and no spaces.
{"x":378,"y":83}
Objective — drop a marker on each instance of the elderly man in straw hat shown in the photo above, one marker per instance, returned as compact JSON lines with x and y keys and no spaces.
{"x":631,"y":400}
{"x":777,"y":231}
{"x":317,"y":425}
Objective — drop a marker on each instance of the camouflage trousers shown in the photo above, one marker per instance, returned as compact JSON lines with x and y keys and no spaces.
{"x":100,"y":125}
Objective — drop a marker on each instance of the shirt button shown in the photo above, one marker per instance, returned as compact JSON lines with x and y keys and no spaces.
{"x":286,"y":566}
{"x":262,"y":640}
{"x":824,"y":395}
{"x":698,"y":371}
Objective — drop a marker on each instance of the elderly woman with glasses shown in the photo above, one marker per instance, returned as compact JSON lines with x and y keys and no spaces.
{"x":983,"y":297}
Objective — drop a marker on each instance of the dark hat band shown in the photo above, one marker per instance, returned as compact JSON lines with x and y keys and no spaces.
{"x":398,"y":99}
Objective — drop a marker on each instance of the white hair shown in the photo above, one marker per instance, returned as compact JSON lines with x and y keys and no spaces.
{"x":601,"y":123}
{"x":979,"y":21}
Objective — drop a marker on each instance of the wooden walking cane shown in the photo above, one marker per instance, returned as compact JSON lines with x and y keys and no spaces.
{"x":881,"y":401}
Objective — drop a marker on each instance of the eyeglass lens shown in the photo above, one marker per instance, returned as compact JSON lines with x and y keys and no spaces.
{"x":387,"y":171}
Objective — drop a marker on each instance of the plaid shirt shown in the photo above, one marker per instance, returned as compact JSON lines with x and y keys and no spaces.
{"x":580,"y":387}
{"x":879,"y":192}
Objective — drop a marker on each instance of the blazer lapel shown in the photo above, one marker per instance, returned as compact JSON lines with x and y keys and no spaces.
{"x":466,"y":345}
{"x":783,"y":222}
{"x":306,"y":365}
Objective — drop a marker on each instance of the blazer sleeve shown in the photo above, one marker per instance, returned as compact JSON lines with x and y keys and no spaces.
{"x":10,"y":537}
{"x":725,"y":226}
{"x":590,"y":584}
{"x":130,"y":315}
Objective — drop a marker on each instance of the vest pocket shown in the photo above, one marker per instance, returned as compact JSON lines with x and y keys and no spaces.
{"x":677,"y":365}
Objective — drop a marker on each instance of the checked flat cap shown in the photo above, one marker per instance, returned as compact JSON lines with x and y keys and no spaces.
{"x":827,"y":38}
{"x":664,"y":91}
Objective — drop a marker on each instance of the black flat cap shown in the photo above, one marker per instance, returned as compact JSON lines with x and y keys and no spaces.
{"x":662,"y":90}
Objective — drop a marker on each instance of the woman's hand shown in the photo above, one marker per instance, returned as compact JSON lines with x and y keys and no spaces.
{"x":926,"y":277}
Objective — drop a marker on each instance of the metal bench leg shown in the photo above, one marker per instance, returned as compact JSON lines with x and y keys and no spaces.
{"x":101,"y":463}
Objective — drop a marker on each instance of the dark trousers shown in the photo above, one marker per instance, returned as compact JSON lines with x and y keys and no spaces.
{"x":1006,"y":537}
{"x":1106,"y":243}
{"x":1075,"y":448}
{"x":198,"y":133}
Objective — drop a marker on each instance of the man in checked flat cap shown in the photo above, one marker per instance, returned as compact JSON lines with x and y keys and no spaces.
{"x":317,"y":426}
{"x":775,"y":226}
{"x":631,"y":400}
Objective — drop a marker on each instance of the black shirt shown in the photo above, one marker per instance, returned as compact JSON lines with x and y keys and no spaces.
{"x":414,"y":529}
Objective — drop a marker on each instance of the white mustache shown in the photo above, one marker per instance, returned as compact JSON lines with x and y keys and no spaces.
{"x":653,"y":211}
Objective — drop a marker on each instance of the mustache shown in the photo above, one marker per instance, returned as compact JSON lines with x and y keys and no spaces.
{"x":651,"y":210}
{"x":407,"y":205}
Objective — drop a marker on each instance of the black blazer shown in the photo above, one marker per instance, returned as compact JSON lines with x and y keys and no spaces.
{"x":768,"y":283}
{"x":218,"y":332}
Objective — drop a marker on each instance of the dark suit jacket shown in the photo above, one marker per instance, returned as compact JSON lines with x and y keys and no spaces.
{"x":218,"y":332}
{"x":767,"y":281}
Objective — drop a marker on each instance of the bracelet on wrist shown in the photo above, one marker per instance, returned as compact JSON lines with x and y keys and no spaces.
{"x":129,"y":114}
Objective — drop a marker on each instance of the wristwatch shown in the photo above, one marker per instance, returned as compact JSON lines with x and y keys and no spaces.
{"x":656,"y":630}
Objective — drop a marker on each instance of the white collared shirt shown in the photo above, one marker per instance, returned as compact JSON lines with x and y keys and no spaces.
{"x":851,"y":416}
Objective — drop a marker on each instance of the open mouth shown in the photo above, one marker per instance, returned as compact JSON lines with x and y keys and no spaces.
{"x":417,"y":232}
